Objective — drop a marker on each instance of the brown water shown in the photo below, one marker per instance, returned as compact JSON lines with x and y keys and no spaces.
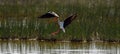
{"x":37,"y":47}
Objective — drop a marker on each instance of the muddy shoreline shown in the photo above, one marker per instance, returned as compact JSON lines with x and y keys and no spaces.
{"x":56,"y":40}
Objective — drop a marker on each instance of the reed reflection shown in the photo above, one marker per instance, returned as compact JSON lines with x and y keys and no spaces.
{"x":36,"y":47}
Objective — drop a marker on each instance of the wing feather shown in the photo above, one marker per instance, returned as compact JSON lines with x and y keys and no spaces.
{"x":68,"y":20}
{"x":49,"y":15}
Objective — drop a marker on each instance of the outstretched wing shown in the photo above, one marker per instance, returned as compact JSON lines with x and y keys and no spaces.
{"x":49,"y":15}
{"x":68,"y":20}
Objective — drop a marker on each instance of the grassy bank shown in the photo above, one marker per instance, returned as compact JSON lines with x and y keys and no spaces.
{"x":97,"y":20}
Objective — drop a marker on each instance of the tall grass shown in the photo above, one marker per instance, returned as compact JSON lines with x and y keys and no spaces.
{"x":96,"y":20}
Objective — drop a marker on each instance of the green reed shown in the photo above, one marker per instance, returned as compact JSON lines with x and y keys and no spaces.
{"x":96,"y":20}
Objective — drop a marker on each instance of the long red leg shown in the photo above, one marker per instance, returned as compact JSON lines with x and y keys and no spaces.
{"x":56,"y":32}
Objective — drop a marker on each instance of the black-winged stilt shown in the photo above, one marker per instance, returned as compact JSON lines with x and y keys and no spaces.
{"x":62,"y":24}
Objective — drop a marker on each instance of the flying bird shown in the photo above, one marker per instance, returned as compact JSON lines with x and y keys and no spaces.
{"x":62,"y":24}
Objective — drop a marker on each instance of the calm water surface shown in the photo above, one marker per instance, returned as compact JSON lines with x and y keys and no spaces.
{"x":37,"y":47}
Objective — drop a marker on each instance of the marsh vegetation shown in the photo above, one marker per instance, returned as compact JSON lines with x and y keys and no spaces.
{"x":96,"y":20}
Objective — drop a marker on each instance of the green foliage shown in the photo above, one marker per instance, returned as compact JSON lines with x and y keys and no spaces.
{"x":98,"y":20}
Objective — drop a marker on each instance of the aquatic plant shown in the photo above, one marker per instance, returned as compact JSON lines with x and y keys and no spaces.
{"x":96,"y":20}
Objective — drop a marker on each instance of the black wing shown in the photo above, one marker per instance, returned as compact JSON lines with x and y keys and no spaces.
{"x":49,"y":15}
{"x":68,"y":20}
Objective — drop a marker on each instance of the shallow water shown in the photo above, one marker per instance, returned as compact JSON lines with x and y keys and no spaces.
{"x":37,"y":47}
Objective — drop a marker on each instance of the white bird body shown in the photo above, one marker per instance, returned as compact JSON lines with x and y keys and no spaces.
{"x":61,"y":26}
